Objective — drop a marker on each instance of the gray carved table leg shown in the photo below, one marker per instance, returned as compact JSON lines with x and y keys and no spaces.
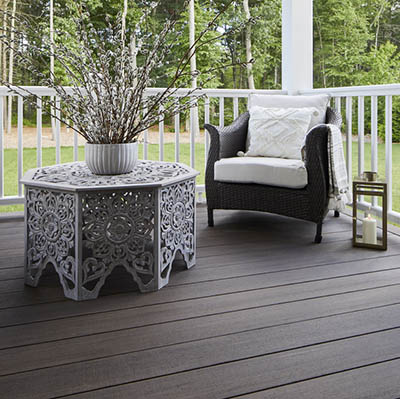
{"x":50,"y":237}
{"x":118,"y":230}
{"x":177,"y":225}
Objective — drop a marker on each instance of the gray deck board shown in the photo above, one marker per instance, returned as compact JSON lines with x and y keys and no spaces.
{"x":370,"y":382}
{"x":264,"y":314}
{"x":265,"y":371}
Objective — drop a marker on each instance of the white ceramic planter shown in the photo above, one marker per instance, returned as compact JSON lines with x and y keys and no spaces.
{"x":111,"y":159}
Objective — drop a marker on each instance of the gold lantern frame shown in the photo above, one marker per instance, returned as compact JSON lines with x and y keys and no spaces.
{"x":373,"y":188}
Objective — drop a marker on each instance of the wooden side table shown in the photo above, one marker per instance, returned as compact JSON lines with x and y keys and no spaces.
{"x":85,"y":225}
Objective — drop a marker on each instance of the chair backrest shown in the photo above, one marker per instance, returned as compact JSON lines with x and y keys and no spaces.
{"x":320,"y":102}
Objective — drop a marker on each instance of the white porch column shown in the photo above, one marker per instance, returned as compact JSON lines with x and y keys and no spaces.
{"x":297,"y":45}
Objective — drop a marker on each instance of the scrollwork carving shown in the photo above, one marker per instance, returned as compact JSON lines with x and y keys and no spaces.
{"x":109,"y":221}
{"x":177,"y":225}
{"x":50,"y":235}
{"x":78,"y":174}
{"x":118,"y":230}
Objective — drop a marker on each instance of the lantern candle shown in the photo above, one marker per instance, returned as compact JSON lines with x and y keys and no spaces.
{"x":369,"y":230}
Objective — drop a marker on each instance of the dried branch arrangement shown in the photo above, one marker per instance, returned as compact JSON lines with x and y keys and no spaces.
{"x":106,"y":100}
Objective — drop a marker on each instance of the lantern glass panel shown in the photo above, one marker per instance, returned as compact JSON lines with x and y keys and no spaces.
{"x":370,"y":214}
{"x":368,"y":228}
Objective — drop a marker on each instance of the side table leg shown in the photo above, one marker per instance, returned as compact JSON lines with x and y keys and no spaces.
{"x":49,"y":235}
{"x":33,"y":268}
{"x":177,"y":227}
{"x":116,"y":228}
{"x":33,"y":264}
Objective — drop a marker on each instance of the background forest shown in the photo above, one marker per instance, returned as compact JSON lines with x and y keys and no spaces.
{"x":356,"y":42}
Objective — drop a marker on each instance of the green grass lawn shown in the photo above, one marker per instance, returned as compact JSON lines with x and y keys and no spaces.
{"x":10,"y":162}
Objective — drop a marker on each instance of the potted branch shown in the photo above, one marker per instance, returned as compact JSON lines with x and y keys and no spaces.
{"x":107,"y":74}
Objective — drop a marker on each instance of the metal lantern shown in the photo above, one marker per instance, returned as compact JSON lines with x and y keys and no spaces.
{"x":369,"y":231}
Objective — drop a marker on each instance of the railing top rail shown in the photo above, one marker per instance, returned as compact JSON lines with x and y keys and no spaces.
{"x":36,"y":90}
{"x":46,"y":91}
{"x":377,"y":90}
{"x":218,"y":92}
{"x":373,"y":90}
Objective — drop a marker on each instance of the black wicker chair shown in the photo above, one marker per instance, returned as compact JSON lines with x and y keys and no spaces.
{"x":309,"y":203}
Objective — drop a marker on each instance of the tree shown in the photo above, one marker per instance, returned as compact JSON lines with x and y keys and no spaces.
{"x":341,"y":38}
{"x":249,"y":56}
{"x":267,"y":44}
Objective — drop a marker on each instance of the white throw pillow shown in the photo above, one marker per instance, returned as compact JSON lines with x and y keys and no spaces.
{"x":320,"y":102}
{"x":278,"y":132}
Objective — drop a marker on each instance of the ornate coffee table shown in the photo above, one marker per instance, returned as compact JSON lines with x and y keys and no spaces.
{"x":85,"y":225}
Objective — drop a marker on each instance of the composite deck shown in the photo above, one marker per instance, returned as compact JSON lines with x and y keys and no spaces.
{"x":265,"y":313}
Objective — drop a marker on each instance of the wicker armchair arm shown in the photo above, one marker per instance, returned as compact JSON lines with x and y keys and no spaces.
{"x":316,"y":162}
{"x":333,"y":117}
{"x":227,"y":141}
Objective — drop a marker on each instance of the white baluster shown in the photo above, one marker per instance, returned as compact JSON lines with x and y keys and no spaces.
{"x":221,"y":112}
{"x":58,"y":131}
{"x":20,"y":143}
{"x":161,"y":136}
{"x":388,"y":150}
{"x":145,"y":140}
{"x":206,"y":135}
{"x":235,"y":107}
{"x":1,"y":146}
{"x":76,"y":144}
{"x":192,"y":138}
{"x":39,"y":132}
{"x":360,"y":135}
{"x":177,"y":132}
{"x":349,"y":143}
{"x":374,"y":139}
{"x":338,"y":104}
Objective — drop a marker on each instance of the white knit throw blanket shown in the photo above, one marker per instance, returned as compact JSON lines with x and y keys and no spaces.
{"x":339,"y":191}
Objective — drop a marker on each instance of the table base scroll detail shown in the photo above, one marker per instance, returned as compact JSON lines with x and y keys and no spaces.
{"x":50,"y":237}
{"x":86,"y":235}
{"x":177,"y":225}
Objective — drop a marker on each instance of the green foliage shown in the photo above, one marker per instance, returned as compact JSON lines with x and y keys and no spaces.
{"x":356,"y":42}
{"x":341,"y":38}
{"x":208,"y":56}
{"x":382,"y":65}
{"x":267,"y":44}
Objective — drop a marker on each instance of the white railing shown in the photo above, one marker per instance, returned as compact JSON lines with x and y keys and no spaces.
{"x":219,"y":107}
{"x":218,"y":117}
{"x":356,"y":96}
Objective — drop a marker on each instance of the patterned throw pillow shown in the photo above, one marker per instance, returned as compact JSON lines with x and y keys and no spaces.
{"x":319,"y":102}
{"x":278,"y":132}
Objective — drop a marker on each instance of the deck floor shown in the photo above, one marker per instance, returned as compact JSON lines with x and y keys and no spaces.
{"x":265,"y":313}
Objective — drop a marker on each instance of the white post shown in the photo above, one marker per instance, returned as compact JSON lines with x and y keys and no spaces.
{"x":11,"y":64}
{"x":192,"y":32}
{"x":52,"y":110}
{"x":192,"y":29}
{"x":297,"y":45}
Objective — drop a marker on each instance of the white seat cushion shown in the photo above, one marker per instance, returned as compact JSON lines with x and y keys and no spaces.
{"x":280,"y":172}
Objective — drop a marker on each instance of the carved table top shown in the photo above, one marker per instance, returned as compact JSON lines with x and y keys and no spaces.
{"x":76,"y":176}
